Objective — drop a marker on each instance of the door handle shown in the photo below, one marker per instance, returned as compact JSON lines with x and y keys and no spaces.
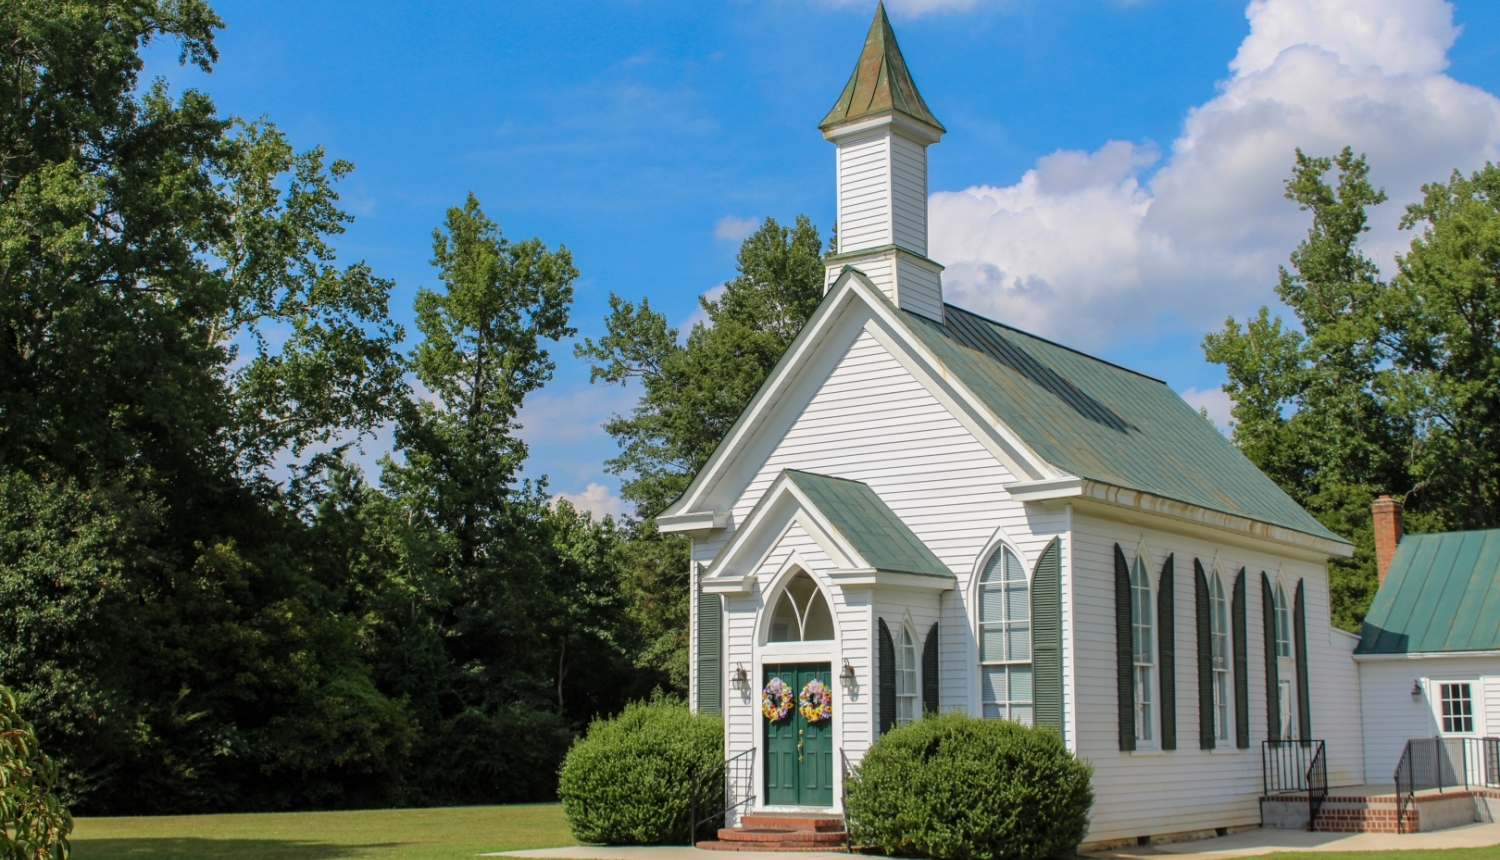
{"x":799,"y":745}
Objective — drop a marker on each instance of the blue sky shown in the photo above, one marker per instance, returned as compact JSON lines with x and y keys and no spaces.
{"x":1110,"y":177}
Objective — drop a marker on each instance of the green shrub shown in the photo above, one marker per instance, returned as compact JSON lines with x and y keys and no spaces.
{"x":507,"y":755}
{"x":33,"y":823}
{"x":625,"y":783}
{"x":959,"y":788}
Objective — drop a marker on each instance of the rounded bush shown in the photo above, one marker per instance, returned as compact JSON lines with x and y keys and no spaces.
{"x":958,"y":788}
{"x":626,"y":782}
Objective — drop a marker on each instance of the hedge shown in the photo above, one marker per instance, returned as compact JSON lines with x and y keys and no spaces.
{"x":625,"y":783}
{"x":954,"y":787}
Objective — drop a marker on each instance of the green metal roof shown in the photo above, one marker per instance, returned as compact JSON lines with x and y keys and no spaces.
{"x":869,"y":524}
{"x":880,"y":81}
{"x":1104,"y":423}
{"x":1441,"y":593}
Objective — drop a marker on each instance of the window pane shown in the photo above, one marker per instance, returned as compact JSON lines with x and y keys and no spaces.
{"x":992,"y":603}
{"x":1018,"y":603}
{"x":784,"y":626}
{"x":994,"y":684}
{"x":1014,"y":572}
{"x":1021,"y":714}
{"x":1020,"y":683}
{"x":818,"y":625}
{"x":994,"y":712}
{"x":992,"y":643}
{"x":1018,"y":638}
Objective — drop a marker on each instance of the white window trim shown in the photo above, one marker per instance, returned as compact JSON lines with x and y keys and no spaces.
{"x":997,"y":546}
{"x":1434,"y":697}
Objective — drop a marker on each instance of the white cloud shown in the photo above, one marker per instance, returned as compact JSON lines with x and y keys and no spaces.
{"x":1083,"y":249}
{"x":1215,"y":401}
{"x":596,"y":498}
{"x":732,"y":228}
{"x":550,"y":417}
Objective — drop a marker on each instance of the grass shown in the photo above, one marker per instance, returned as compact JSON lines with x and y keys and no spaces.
{"x":381,"y":834}
{"x":1490,"y":853}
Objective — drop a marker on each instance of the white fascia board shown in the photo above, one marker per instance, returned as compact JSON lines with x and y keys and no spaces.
{"x":1425,"y":655}
{"x":730,"y":585}
{"x":868,"y":577}
{"x":1065,"y":487}
{"x":700,"y":521}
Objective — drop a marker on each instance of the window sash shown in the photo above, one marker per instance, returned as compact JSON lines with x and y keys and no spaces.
{"x":1458,"y":708}
{"x":1143,"y":703}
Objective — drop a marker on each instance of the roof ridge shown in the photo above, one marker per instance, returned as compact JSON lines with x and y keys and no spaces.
{"x":1050,"y":342}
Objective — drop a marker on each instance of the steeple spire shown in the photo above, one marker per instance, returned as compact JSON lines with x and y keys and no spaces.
{"x":880,"y":82}
{"x":881,"y":129}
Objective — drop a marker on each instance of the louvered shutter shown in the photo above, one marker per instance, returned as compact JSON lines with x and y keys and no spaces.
{"x":1304,"y":687}
{"x":930,"y":672}
{"x":1241,"y":646}
{"x":1206,"y":738}
{"x":887,"y":679}
{"x":1124,"y":652}
{"x":710,"y":657}
{"x":1046,"y":637}
{"x":1273,"y":685}
{"x":1166,"y":641}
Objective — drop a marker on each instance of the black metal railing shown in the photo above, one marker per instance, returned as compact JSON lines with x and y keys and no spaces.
{"x":718,"y":790}
{"x":1294,"y":767}
{"x":1443,"y":763}
{"x":1317,"y":785}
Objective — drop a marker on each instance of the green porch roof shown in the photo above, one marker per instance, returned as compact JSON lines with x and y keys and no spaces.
{"x":869,"y":524}
{"x":880,"y":81}
{"x":1104,"y":423}
{"x":1441,"y":593}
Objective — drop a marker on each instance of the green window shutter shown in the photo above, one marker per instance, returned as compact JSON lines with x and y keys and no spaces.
{"x":1241,"y":647}
{"x":1124,"y":652}
{"x":930,"y":671}
{"x":710,"y":657}
{"x":887,"y":679}
{"x":1205,"y":659}
{"x":1166,"y":642}
{"x":1304,"y":687}
{"x":1046,"y":637}
{"x":1273,"y":685}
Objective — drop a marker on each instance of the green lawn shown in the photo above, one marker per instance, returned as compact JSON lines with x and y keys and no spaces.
{"x":385,"y":834}
{"x":1491,"y":853}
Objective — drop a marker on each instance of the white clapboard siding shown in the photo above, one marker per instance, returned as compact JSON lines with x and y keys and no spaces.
{"x":864,"y":193}
{"x":1392,"y":716}
{"x":1154,"y":792}
{"x":920,"y":288}
{"x":909,"y":193}
{"x":870,"y":420}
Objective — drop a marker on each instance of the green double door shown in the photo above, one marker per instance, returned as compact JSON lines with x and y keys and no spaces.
{"x":799,"y":754}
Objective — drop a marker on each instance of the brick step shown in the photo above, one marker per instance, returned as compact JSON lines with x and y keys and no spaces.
{"x":793,"y":822}
{"x":781,"y":837}
{"x":754,"y":846}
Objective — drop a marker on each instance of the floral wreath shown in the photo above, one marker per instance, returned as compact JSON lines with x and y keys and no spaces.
{"x":776,"y":700}
{"x":815,"y":702}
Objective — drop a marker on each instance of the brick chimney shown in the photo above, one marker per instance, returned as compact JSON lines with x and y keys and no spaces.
{"x":1388,"y":531}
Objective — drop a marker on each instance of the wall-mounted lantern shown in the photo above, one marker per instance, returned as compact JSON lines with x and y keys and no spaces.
{"x":741,"y":679}
{"x":1416,"y":691}
{"x":846,"y":675}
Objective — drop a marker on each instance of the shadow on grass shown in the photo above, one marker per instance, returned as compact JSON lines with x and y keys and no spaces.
{"x":219,"y":849}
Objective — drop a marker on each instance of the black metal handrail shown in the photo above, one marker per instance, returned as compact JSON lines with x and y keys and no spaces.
{"x":1284,"y":765}
{"x":1317,"y":785}
{"x":717,"y":788}
{"x":1442,"y":763}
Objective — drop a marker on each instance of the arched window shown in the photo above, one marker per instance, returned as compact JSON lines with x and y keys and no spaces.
{"x":906,"y":678}
{"x":1143,"y":630}
{"x":801,"y":613}
{"x":1218,"y":630}
{"x":1005,"y":638}
{"x":1283,"y":625}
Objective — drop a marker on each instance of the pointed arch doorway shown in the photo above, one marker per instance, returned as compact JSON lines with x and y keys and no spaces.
{"x":799,"y":752}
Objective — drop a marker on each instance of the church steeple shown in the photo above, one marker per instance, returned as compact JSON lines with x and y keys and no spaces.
{"x":880,"y":82}
{"x":882,"y":129}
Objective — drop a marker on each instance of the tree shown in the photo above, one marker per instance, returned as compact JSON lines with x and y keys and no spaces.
{"x":1387,"y":387}
{"x":692,"y":393}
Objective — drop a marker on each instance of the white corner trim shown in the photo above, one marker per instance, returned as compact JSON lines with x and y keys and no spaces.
{"x":700,"y":521}
{"x":856,"y":577}
{"x":1065,"y":487}
{"x":730,"y":585}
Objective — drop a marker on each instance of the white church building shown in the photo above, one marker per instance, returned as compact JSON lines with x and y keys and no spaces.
{"x":926,"y":510}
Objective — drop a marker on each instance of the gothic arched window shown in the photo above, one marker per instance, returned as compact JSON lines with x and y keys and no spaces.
{"x":1005,"y":638}
{"x":801,"y":613}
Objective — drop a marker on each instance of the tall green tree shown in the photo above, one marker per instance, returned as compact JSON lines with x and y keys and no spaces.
{"x":1382,"y":387}
{"x":692,"y":392}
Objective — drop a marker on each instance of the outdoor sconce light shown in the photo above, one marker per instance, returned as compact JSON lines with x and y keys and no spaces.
{"x":846,"y":675}
{"x":1416,"y":691}
{"x":741,"y":679}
